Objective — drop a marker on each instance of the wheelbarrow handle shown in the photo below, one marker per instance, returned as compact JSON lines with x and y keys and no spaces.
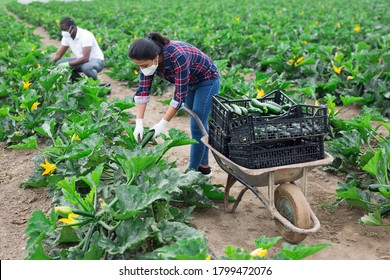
{"x":196,"y":118}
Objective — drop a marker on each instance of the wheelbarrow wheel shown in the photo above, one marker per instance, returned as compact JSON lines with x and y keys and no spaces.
{"x":291,"y":204}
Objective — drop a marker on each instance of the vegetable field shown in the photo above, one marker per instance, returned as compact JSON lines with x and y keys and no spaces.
{"x":100,"y":195}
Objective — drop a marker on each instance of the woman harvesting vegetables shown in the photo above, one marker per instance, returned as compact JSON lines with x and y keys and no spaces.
{"x":196,"y":80}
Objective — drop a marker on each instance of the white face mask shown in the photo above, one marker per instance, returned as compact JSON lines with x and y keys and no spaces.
{"x":149,"y":71}
{"x":66,"y":34}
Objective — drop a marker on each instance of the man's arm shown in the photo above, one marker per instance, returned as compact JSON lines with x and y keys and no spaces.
{"x":83,"y":59}
{"x":61,"y":51}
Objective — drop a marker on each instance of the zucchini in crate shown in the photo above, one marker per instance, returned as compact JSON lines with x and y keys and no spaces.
{"x":236,"y":109}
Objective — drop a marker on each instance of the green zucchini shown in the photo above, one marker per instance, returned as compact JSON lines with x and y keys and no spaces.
{"x":228,"y":107}
{"x":257,"y":104}
{"x":147,"y":138}
{"x":236,"y":109}
{"x":244,"y":111}
{"x":273,"y":108}
{"x":255,"y":110}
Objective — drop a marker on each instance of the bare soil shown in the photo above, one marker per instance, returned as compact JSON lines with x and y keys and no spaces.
{"x":340,"y":227}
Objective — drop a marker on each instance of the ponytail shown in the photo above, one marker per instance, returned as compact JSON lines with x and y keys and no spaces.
{"x":149,"y":47}
{"x":158,"y":38}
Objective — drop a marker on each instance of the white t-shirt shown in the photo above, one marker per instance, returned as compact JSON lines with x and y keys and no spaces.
{"x":84,"y":38}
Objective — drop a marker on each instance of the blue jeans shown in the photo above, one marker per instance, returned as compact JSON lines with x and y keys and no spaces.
{"x":199,"y":100}
{"x":90,"y":68}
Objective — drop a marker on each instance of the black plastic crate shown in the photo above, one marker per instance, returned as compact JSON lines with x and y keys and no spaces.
{"x":300,"y":121}
{"x":222,"y":116}
{"x":218,"y":139}
{"x":258,"y":156}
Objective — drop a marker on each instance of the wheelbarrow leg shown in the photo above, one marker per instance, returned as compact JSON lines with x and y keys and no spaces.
{"x":229,"y":183}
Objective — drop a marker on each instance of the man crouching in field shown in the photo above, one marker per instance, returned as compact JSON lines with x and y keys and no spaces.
{"x":89,"y":57}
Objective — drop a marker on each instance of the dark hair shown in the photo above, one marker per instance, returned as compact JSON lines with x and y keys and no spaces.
{"x":68,"y":21}
{"x":148,"y":47}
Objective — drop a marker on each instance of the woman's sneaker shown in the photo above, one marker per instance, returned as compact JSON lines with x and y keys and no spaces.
{"x":206,"y":171}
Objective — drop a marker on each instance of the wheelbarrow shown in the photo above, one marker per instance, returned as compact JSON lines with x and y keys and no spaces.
{"x":286,"y":201}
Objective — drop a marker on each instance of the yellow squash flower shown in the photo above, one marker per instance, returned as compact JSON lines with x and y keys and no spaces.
{"x":357,"y":28}
{"x":304,"y":42}
{"x":75,"y":137}
{"x":337,"y":70}
{"x":208,"y":258}
{"x":135,"y":72}
{"x":34,"y":106}
{"x":72,"y":219}
{"x":26,"y":84}
{"x":39,"y":65}
{"x":260,"y":252}
{"x":298,"y":61}
{"x":338,"y":25}
{"x":237,"y":19}
{"x":260,"y":93}
{"x":49,"y":168}
{"x":380,"y":60}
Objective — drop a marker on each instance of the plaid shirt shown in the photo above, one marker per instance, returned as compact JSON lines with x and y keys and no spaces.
{"x":184,"y":66}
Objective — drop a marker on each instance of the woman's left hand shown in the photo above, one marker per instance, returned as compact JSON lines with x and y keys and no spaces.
{"x":159,"y":128}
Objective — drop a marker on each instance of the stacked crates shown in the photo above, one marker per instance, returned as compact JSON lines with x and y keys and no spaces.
{"x":260,"y":141}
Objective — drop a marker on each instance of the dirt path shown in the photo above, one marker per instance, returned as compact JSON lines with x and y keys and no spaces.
{"x":350,"y":240}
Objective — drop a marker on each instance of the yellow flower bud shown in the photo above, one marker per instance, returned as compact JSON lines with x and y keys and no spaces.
{"x":260,"y":252}
{"x":63,"y":210}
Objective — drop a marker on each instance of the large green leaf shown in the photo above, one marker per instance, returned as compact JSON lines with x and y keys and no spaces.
{"x":184,"y":249}
{"x":350,"y":99}
{"x":378,"y":166}
{"x":123,"y":104}
{"x":266,"y":242}
{"x":48,"y":81}
{"x":68,"y":235}
{"x":236,"y":254}
{"x":129,"y":235}
{"x":68,"y":186}
{"x":373,"y":219}
{"x":139,"y":197}
{"x":135,"y":165}
{"x":354,"y":198}
{"x":171,"y":231}
{"x":84,"y":148}
{"x":27,"y":143}
{"x":47,"y":129}
{"x":299,"y":252}
{"x":38,"y":227}
{"x":35,"y":180}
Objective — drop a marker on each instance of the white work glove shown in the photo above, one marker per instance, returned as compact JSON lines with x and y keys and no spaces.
{"x":139,"y":130}
{"x":159,"y":128}
{"x":64,"y":65}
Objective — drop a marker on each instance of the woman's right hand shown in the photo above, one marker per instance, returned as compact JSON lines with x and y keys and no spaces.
{"x":139,"y":130}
